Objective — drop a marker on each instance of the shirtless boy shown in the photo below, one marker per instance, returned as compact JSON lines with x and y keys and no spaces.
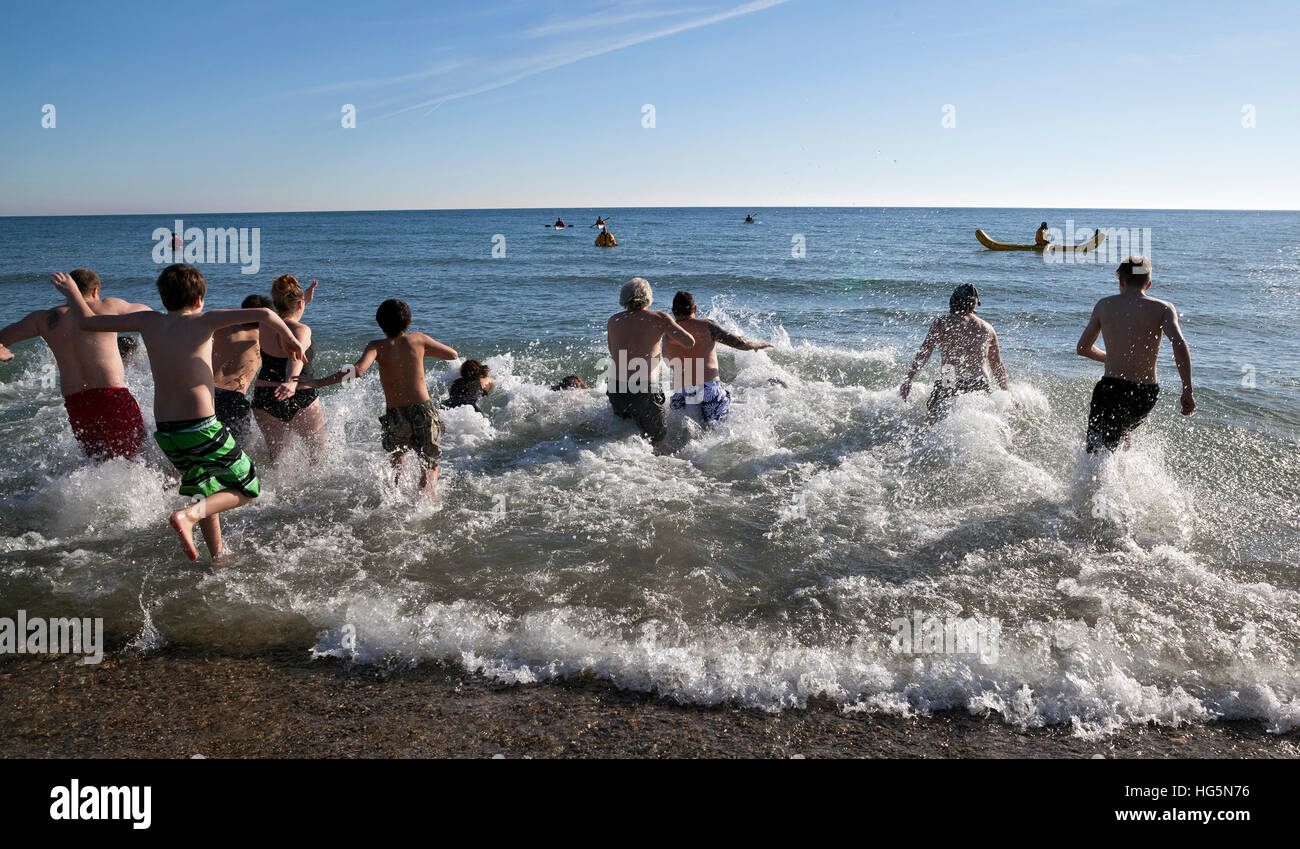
{"x":695,"y":367}
{"x":213,"y":468}
{"x":634,"y":345}
{"x":235,"y":361}
{"x":105,"y":418}
{"x":1131,"y":324}
{"x":965,"y":342}
{"x":411,"y":422}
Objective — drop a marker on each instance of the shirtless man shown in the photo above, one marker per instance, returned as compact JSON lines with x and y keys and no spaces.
{"x":1131,"y":324}
{"x":965,"y":343}
{"x":235,"y":361}
{"x":105,"y":418}
{"x":695,"y":367}
{"x":634,"y":345}
{"x":1040,"y":237}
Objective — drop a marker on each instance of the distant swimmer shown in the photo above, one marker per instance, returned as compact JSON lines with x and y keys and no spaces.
{"x":965,"y":343}
{"x":749,"y":219}
{"x":178,"y":247}
{"x":1131,"y":324}
{"x":104,"y":416}
{"x":1040,"y":238}
{"x":695,"y":367}
{"x":635,"y":337}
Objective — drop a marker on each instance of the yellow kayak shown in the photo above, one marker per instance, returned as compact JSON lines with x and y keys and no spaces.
{"x":606,"y":240}
{"x":994,"y":245}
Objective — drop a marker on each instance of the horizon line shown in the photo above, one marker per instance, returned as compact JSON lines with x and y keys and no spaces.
{"x":675,"y":206}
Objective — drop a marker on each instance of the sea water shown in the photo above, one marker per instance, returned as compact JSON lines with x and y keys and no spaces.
{"x":767,"y":561}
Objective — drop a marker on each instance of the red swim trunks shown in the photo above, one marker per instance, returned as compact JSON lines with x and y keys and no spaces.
{"x":107,"y":422}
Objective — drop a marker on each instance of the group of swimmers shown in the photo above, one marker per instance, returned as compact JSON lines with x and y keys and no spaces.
{"x":204,"y":362}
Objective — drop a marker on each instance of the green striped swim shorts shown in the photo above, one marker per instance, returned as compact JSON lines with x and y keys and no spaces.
{"x":208,"y":457}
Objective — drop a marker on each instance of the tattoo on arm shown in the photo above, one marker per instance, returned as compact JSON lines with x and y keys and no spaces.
{"x":731,"y":340}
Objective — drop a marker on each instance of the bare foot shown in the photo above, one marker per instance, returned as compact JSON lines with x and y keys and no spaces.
{"x":184,"y":526}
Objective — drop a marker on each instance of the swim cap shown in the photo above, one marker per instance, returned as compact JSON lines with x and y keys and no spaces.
{"x":965,"y":298}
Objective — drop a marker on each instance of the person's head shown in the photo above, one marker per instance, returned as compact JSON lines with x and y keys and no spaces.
{"x":570,"y":382}
{"x":126,"y":346}
{"x":287,"y":295}
{"x":965,"y":298}
{"x":636,"y":294}
{"x":87,"y":281}
{"x":1134,"y":273}
{"x":181,"y":287}
{"x":473,"y":370}
{"x":683,"y":305}
{"x":255,"y":302}
{"x":394,"y":316}
{"x":1042,"y":226}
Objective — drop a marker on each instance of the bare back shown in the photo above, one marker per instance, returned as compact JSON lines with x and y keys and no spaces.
{"x":1131,"y":329}
{"x":235,"y":357}
{"x":635,"y":337}
{"x":963,"y":340}
{"x":87,"y":359}
{"x":401,"y":368}
{"x":180,"y":356}
{"x":697,"y":363}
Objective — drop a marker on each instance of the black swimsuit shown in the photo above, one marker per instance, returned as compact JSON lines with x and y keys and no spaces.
{"x":274,"y":370}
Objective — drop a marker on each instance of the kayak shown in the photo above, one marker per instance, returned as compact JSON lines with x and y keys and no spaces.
{"x":994,"y":245}
{"x":606,"y":240}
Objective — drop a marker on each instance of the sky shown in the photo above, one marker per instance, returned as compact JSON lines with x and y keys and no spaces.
{"x":239,"y":106}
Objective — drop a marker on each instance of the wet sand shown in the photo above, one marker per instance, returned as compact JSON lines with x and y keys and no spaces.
{"x":279,"y":703}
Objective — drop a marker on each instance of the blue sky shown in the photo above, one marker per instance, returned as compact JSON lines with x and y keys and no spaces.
{"x":236,"y":107}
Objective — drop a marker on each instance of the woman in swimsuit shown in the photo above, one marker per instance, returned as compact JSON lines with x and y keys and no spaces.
{"x":279,"y":405}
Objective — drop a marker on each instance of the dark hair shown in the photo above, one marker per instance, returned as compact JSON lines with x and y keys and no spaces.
{"x":473,"y":370}
{"x":181,"y":286}
{"x":965,"y":298}
{"x":126,"y":346}
{"x":1041,"y":226}
{"x":87,"y":281}
{"x":683,"y":303}
{"x":253,"y":302}
{"x":570,"y":382}
{"x":394,"y":316}
{"x":1134,"y":270}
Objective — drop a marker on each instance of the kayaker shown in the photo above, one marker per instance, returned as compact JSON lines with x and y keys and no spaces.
{"x":1040,"y":238}
{"x":559,"y":224}
{"x":749,"y":219}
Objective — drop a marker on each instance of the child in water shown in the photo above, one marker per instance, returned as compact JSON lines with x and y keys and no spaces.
{"x":472,"y":385}
{"x":411,"y":422}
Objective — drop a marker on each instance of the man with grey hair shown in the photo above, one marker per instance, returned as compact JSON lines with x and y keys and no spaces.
{"x":1131,"y":324}
{"x":635,"y":338}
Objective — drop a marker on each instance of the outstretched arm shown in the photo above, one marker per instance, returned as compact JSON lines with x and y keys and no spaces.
{"x":922,"y":357}
{"x":217,"y":319}
{"x":1087,"y":342}
{"x":434,"y":348}
{"x":731,"y":340}
{"x":1182,"y":357}
{"x":676,"y":332}
{"x":25,"y":328}
{"x":346,"y":373}
{"x":995,"y":361}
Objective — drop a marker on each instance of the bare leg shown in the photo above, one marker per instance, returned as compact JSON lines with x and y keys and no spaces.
{"x":428,"y":481}
{"x":274,"y":432}
{"x":310,"y":425}
{"x":204,"y":514}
